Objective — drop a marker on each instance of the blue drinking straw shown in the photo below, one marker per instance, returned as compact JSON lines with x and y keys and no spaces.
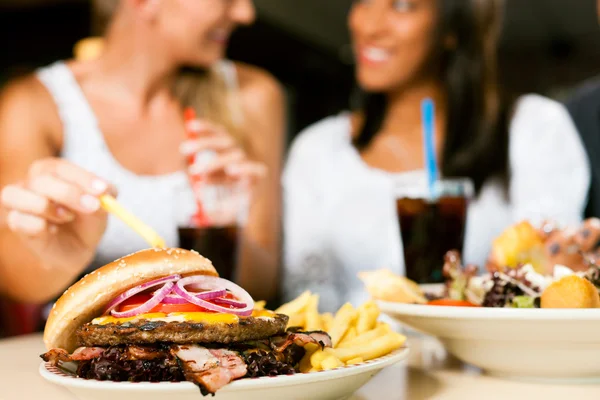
{"x":428,"y":121}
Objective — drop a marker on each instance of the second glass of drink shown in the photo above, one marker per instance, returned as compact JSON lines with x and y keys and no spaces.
{"x":432,"y":222}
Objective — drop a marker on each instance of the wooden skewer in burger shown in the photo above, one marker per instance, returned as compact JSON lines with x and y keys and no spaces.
{"x":165,"y":315}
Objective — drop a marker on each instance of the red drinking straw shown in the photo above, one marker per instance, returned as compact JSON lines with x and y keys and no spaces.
{"x":199,"y":218}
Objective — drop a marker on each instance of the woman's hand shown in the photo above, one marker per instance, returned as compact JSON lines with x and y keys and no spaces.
{"x":220,"y":158}
{"x":56,"y":211}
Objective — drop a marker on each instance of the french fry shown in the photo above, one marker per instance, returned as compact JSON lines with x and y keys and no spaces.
{"x":331,"y":362}
{"x":356,"y":334}
{"x":297,"y":320}
{"x":296,"y":306}
{"x":313,"y":319}
{"x":356,"y":360}
{"x":326,"y":321}
{"x":111,"y":205}
{"x":305,"y":364}
{"x":317,"y":358}
{"x":370,"y":350}
{"x":367,"y":337}
{"x":367,"y":317}
{"x":350,"y":335}
{"x":341,"y":322}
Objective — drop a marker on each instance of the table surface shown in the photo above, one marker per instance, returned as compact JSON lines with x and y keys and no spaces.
{"x":429,"y":373}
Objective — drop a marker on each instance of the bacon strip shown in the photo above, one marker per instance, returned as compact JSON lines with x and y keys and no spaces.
{"x":303,"y":338}
{"x":208,"y":368}
{"x":86,"y":353}
{"x":56,"y":356}
{"x":144,"y":353}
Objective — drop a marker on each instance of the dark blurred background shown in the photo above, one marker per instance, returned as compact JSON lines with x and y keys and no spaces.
{"x":548,"y":46}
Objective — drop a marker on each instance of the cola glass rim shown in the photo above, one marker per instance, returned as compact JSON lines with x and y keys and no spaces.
{"x":442,"y":188}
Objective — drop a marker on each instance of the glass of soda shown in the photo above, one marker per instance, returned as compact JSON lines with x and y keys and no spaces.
{"x":218,"y":235}
{"x":432,"y":222}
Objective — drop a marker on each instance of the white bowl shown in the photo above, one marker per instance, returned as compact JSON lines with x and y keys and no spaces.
{"x":532,"y":344}
{"x":335,"y":384}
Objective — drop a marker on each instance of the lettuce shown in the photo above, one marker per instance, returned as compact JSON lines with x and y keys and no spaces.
{"x":523,"y":302}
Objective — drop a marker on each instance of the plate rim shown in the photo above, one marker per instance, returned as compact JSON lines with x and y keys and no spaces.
{"x":266,"y":382}
{"x":487,"y":313}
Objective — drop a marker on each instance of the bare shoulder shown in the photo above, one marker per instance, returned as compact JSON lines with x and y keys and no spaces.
{"x":26,"y":105}
{"x":259,"y":89}
{"x":24,"y":92}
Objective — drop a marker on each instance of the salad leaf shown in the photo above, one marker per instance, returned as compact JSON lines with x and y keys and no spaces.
{"x":523,"y":302}
{"x":457,"y":276}
{"x":593,"y":275}
{"x":508,"y":285}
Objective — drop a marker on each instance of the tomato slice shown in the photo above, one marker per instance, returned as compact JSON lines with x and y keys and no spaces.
{"x":134,"y":301}
{"x":139,"y":299}
{"x":452,"y":303}
{"x":185,"y":307}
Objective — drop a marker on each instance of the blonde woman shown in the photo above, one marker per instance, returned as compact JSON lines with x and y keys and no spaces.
{"x":78,"y":129}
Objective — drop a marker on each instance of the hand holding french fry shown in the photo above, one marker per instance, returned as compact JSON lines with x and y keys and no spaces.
{"x":356,"y":334}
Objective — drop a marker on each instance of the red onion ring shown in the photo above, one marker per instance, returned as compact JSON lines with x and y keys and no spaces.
{"x":147,"y":306}
{"x":174,"y":298}
{"x":228,"y":302}
{"x":140,"y":288}
{"x":210,"y":282}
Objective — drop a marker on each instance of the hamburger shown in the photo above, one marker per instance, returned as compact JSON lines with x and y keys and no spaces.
{"x":165,"y":315}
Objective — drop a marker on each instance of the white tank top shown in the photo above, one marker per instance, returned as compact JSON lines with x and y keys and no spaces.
{"x":152,"y":198}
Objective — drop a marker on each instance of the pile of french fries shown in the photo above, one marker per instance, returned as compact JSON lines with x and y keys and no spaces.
{"x":356,"y":334}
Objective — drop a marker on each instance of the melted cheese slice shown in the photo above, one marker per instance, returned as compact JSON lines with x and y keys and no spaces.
{"x":205,"y":318}
{"x":263,"y":314}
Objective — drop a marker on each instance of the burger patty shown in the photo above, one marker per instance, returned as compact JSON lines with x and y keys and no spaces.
{"x":150,"y":332}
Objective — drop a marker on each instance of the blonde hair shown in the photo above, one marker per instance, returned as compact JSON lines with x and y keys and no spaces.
{"x":207,"y":91}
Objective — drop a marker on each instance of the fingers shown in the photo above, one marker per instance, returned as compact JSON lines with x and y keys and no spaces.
{"x":247,"y":169}
{"x":29,"y":225}
{"x":71,"y":173}
{"x":214,"y":143}
{"x":18,"y":198}
{"x":198,"y":128}
{"x":224,"y":160}
{"x":64,"y":193}
{"x":53,"y":194}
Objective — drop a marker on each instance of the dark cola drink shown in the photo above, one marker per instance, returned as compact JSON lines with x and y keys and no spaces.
{"x":429,"y":229}
{"x":217,"y":243}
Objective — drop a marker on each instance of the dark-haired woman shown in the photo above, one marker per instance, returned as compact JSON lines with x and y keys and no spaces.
{"x":524,"y":157}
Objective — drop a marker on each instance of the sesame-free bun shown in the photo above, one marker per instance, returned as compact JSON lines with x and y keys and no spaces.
{"x":89,"y":297}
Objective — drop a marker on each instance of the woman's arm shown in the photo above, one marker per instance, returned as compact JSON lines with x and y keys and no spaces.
{"x":51,"y":220}
{"x":263,"y":104}
{"x":27,"y":119}
{"x":550,"y":173}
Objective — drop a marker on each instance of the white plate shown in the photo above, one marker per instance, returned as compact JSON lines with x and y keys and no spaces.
{"x":532,"y":344}
{"x":335,"y":384}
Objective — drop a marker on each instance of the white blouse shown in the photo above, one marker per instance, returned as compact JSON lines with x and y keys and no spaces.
{"x":340,"y":215}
